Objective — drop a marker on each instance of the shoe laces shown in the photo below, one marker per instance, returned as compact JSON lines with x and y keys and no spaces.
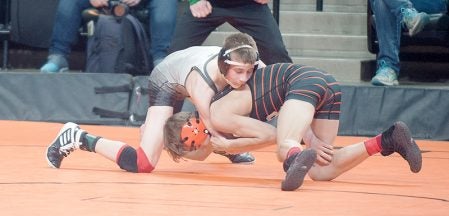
{"x":383,"y":64}
{"x":409,"y":16}
{"x":69,"y":141}
{"x":391,"y":143}
{"x":386,"y":71}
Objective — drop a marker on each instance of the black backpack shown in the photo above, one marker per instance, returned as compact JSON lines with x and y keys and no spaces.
{"x":118,"y":45}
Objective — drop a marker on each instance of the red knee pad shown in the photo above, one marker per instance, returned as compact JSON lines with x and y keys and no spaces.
{"x":143,"y":164}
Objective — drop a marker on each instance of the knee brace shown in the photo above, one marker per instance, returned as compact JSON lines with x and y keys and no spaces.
{"x":143,"y":164}
{"x":127,"y":158}
{"x":133,"y":161}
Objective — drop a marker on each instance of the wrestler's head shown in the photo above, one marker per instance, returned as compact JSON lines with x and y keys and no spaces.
{"x":184,"y":132}
{"x":238,"y":59}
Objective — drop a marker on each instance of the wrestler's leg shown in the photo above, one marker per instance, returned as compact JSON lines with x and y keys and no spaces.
{"x":344,"y":159}
{"x":396,"y":139}
{"x":152,"y":141}
{"x":144,"y":158}
{"x":294,"y":120}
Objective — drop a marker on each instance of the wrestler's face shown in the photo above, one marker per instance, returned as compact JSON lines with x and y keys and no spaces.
{"x":204,"y":144}
{"x":238,"y":75}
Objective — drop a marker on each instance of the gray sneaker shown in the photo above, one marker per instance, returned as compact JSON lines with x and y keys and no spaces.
{"x":414,"y":21}
{"x":385,"y":76}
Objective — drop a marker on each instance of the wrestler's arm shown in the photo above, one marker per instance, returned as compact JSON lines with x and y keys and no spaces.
{"x":230,"y":115}
{"x":201,"y":95}
{"x":250,"y":134}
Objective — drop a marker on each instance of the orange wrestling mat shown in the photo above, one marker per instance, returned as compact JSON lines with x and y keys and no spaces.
{"x":88,"y":184}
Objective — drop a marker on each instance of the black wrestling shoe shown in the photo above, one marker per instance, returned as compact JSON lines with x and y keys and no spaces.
{"x":399,"y":139}
{"x":238,"y":158}
{"x":299,"y":164}
{"x":67,"y":140}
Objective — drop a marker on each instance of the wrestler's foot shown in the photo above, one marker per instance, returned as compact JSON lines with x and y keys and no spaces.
{"x":238,"y":158}
{"x":298,"y":168}
{"x":67,"y":140}
{"x":398,"y":139}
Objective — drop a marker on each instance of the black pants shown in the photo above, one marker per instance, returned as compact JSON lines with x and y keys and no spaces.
{"x":253,"y":19}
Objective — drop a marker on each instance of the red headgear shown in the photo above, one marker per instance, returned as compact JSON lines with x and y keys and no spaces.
{"x":193,"y":133}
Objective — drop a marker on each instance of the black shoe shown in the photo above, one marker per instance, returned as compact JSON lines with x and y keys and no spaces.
{"x":398,"y":139}
{"x":298,"y":169}
{"x":238,"y":158}
{"x":67,"y":140}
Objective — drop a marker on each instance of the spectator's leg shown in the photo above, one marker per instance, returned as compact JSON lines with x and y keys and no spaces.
{"x":67,"y":23}
{"x":388,"y":16}
{"x":65,"y":33}
{"x":191,"y":31}
{"x":257,"y":21}
{"x":162,"y":25}
{"x":388,"y":27}
{"x":430,"y":7}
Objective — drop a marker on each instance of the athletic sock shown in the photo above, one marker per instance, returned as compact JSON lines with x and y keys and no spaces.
{"x":373,"y":145}
{"x":290,"y":157}
{"x":88,"y":142}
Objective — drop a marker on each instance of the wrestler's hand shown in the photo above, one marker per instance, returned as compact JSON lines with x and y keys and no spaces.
{"x":219,"y":143}
{"x":325,"y":151}
{"x":201,"y":9}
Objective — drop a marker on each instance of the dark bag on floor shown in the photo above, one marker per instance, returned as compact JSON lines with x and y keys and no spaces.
{"x":118,"y":45}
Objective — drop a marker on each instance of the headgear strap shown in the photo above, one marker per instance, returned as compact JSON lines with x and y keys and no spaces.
{"x":228,"y":57}
{"x":236,"y":48}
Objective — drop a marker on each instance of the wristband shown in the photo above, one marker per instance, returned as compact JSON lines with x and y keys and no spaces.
{"x":192,"y":2}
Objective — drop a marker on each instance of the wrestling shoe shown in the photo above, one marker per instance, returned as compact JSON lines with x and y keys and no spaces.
{"x":297,"y":167}
{"x":398,"y":139}
{"x":56,"y":63}
{"x":414,"y":21}
{"x":67,"y":140}
{"x":385,"y":76}
{"x":238,"y":158}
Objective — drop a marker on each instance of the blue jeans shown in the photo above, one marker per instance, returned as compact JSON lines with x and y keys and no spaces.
{"x":162,"y":26}
{"x":68,"y":21}
{"x":388,"y":19}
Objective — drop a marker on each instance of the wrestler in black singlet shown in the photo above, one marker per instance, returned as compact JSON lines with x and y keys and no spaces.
{"x":273,"y":85}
